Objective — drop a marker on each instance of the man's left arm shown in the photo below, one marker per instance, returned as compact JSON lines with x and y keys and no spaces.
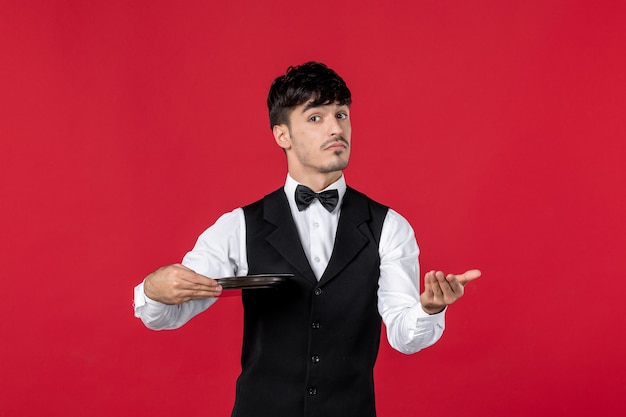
{"x":413,"y":321}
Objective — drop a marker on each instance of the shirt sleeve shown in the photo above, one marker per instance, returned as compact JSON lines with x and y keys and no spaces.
{"x":409,"y":328}
{"x":219,"y":252}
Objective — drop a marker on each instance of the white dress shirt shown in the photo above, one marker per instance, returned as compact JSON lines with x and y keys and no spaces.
{"x":221,"y":252}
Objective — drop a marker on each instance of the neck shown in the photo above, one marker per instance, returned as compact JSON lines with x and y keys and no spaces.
{"x":317,"y":182}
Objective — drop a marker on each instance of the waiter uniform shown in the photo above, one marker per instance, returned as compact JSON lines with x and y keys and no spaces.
{"x":309,"y":347}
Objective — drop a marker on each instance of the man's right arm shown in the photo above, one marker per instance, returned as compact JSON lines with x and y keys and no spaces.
{"x":172,"y":295}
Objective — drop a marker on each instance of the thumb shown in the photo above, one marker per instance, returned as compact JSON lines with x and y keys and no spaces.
{"x":468,"y":276}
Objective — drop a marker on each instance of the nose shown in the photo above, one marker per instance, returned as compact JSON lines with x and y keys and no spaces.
{"x":334,"y":128}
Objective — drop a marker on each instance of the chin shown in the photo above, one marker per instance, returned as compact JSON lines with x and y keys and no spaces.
{"x":334,"y":167}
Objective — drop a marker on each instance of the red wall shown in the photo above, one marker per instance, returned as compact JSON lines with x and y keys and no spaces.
{"x":497,"y":128}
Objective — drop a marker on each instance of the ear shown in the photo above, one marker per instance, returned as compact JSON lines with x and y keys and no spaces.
{"x":281,"y":136}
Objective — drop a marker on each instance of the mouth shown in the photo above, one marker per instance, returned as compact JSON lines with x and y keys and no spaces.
{"x":335,"y":144}
{"x":336,"y":147}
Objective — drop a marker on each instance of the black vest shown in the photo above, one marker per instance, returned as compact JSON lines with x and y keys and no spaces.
{"x":309,"y":347}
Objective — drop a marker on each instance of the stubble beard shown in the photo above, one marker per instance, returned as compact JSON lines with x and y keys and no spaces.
{"x":338,"y":165}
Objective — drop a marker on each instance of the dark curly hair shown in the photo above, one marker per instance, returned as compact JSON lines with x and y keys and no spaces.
{"x":310,"y":81}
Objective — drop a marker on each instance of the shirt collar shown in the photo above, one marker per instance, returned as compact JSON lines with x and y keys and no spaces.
{"x":291,"y":184}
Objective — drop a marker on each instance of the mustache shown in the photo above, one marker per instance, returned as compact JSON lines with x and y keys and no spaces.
{"x":335,"y":139}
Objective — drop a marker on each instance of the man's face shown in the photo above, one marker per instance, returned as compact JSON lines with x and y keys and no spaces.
{"x":318,"y":138}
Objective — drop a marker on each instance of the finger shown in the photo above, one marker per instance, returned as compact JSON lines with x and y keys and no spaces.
{"x":201,"y":281}
{"x":438,"y":281}
{"x":187,"y":295}
{"x":468,"y":276}
{"x":430,"y":282}
{"x":209,"y":286}
{"x":454,"y":286}
{"x":185,"y":282}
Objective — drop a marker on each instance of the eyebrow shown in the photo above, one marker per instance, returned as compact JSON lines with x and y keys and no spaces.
{"x":310,"y":105}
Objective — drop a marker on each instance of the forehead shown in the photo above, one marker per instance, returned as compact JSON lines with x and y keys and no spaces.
{"x":312,"y":105}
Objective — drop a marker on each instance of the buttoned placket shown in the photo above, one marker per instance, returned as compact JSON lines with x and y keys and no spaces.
{"x":321,"y":238}
{"x":314,"y":357}
{"x":317,"y":229}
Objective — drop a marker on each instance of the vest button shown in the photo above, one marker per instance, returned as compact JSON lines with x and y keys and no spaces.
{"x":315,"y":325}
{"x":312,"y":391}
{"x":318,"y":291}
{"x":315,"y":358}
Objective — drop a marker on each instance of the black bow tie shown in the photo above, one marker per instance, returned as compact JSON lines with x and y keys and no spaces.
{"x":304,"y":197}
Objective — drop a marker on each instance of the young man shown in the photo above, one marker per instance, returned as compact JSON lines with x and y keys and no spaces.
{"x":310,"y":345}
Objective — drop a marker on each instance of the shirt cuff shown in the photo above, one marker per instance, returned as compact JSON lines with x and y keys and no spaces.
{"x":141,"y":300}
{"x":420,"y":313}
{"x":421,"y":318}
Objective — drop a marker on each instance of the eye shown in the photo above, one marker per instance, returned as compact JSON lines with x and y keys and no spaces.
{"x":342,"y":116}
{"x":315,"y":118}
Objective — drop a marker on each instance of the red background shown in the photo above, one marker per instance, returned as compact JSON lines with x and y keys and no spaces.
{"x":497,"y":128}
